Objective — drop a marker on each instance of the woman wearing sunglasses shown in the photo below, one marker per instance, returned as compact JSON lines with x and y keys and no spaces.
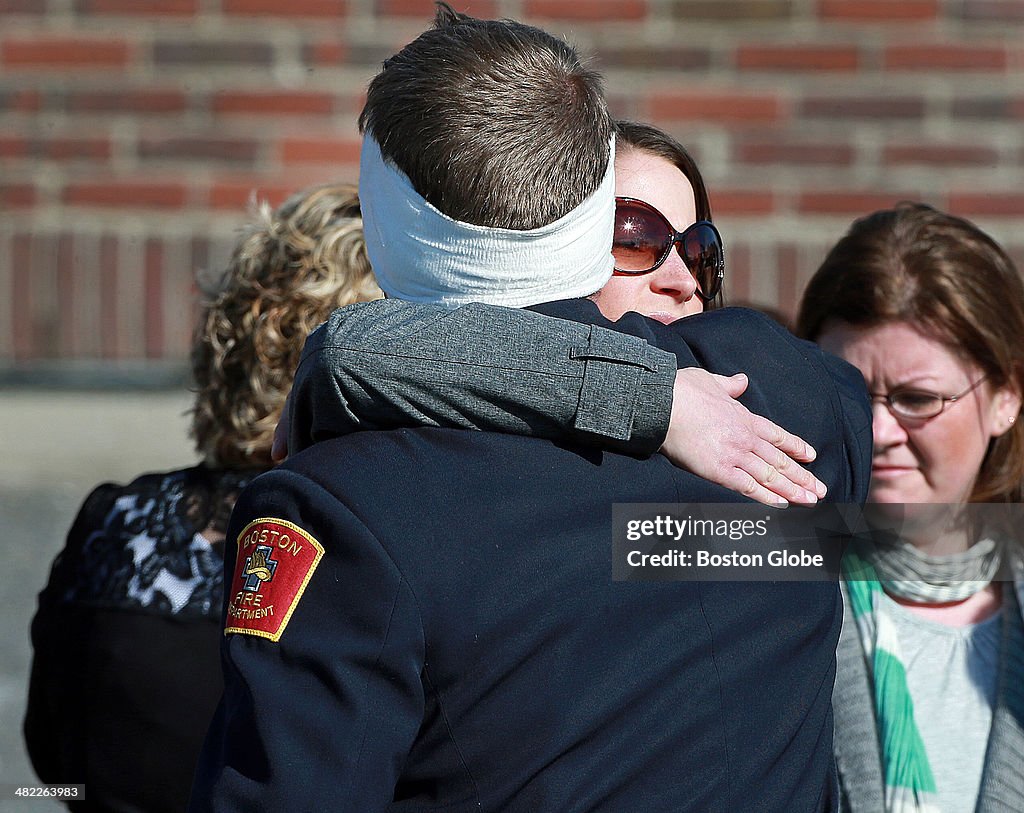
{"x":661,"y":205}
{"x":929,"y":696}
{"x":669,"y":263}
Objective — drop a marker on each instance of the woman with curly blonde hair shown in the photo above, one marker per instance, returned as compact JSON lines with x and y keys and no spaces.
{"x":288,"y":272}
{"x":126,"y":672}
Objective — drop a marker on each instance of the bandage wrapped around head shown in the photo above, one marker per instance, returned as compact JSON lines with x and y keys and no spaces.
{"x":419,"y":254}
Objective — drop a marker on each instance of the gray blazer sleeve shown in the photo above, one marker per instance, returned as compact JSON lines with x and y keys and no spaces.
{"x":388,"y":363}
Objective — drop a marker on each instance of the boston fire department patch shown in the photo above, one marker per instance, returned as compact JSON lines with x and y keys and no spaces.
{"x":275,"y":562}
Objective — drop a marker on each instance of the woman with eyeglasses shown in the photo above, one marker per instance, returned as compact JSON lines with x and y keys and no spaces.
{"x":929,"y":698}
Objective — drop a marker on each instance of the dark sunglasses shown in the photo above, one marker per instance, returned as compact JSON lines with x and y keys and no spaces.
{"x":644,"y":238}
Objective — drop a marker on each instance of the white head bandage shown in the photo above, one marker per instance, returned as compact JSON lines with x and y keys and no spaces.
{"x":419,"y":254}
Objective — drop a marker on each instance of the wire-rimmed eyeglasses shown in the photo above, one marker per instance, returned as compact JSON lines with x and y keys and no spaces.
{"x":921,"y":405}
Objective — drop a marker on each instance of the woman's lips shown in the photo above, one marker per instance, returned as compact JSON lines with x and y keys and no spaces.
{"x":664,"y":318}
{"x":890,"y":470}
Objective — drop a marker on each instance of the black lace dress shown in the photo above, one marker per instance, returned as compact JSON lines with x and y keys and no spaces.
{"x":126,"y":669}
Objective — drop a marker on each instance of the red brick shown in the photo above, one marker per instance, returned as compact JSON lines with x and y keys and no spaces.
{"x":65,"y":272}
{"x":229,"y":150}
{"x":725,"y":107}
{"x":14,"y":147}
{"x":236,"y":194}
{"x":178,"y":306}
{"x":36,"y":7}
{"x":629,"y":105}
{"x":69,"y":149}
{"x":1008,"y":11}
{"x":153,"y":294}
{"x":485,"y":9}
{"x":878,"y":10}
{"x":864,"y":107}
{"x":109,"y":259}
{"x":596,"y":10}
{"x":64,"y":53}
{"x":738,"y":268}
{"x":17,"y":196}
{"x":987,"y":204}
{"x":774,"y":152}
{"x":319,"y":151}
{"x":741,"y":202}
{"x":325,"y":53}
{"x":984,"y":107}
{"x":850,"y":203}
{"x":147,"y":8}
{"x":21,"y":293}
{"x":787,"y":257}
{"x":20,"y":101}
{"x":375,"y":54}
{"x":126,"y":195}
{"x":55,"y":149}
{"x":689,"y":10}
{"x":787,"y":261}
{"x":203,"y":53}
{"x":797,"y":58}
{"x":674,"y":58}
{"x":941,"y":155}
{"x":945,"y":57}
{"x":127,"y":101}
{"x":330,"y":9}
{"x":45,"y":315}
{"x":274,"y":104}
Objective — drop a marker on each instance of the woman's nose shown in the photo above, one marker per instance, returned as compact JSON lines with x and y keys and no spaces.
{"x":673,"y":278}
{"x":888,"y":431}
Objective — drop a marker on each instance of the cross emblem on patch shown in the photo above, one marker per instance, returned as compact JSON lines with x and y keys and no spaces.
{"x":259,"y":568}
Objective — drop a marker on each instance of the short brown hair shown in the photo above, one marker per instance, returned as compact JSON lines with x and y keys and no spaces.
{"x":289,"y":270}
{"x":494,"y":122}
{"x":951,"y":281}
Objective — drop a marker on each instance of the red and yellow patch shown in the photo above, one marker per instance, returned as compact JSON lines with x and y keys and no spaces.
{"x":274,"y":563}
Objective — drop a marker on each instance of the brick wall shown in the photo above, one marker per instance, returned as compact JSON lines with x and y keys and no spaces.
{"x":133,"y":132}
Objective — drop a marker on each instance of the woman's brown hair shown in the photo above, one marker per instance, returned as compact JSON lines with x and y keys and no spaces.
{"x":950,"y":280}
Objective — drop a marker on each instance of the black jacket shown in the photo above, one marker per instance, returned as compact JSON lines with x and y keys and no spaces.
{"x":436,"y":626}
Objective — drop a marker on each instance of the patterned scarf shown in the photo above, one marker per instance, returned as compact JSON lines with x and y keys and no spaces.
{"x":909,"y":782}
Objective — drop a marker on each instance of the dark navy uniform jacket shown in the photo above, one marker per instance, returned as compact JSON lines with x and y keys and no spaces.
{"x":460,"y":645}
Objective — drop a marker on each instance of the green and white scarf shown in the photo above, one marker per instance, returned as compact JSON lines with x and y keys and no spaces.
{"x":910,"y":786}
{"x":909,"y":783}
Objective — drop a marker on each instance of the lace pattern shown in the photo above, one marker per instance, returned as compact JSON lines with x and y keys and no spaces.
{"x":156,"y":544}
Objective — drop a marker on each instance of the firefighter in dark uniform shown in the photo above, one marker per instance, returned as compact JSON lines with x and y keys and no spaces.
{"x":425,"y":619}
